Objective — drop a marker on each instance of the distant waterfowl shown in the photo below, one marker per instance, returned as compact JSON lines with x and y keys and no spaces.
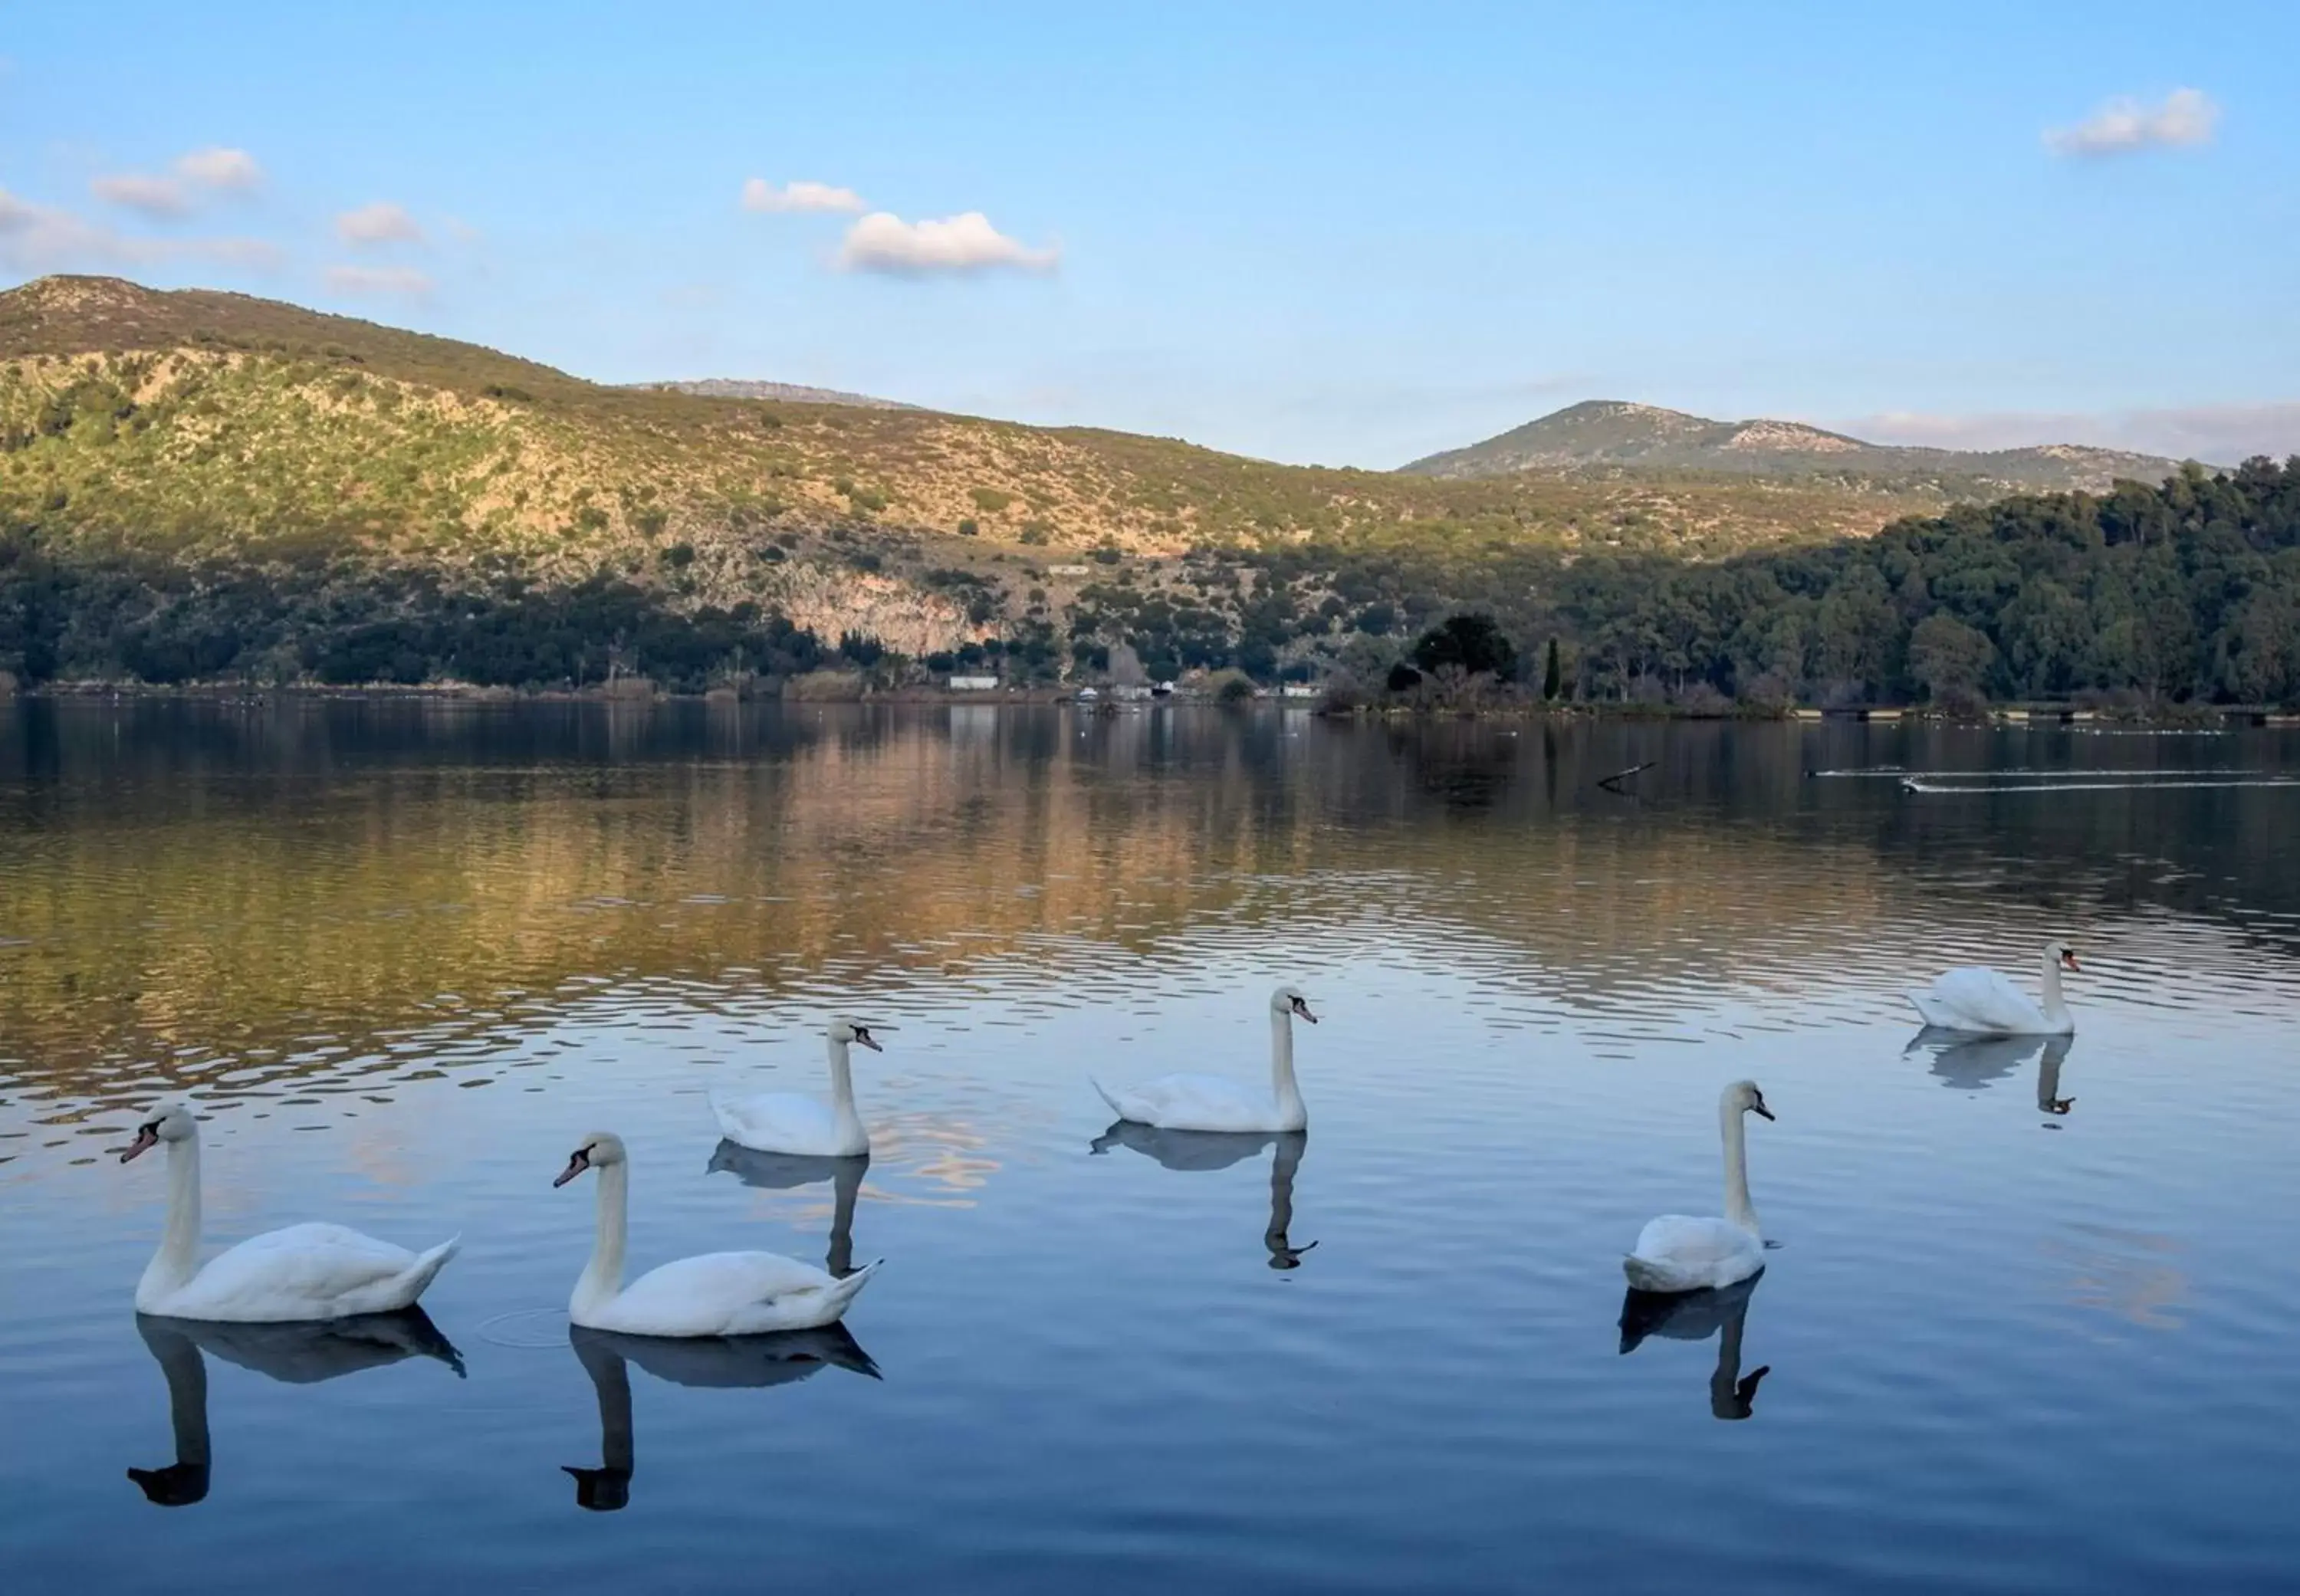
{"x":1697,"y":1315}
{"x":1209,"y":1103}
{"x":787,"y":1122}
{"x":715,"y":1293}
{"x":1978,"y":1000}
{"x":1202,"y":1150}
{"x":784,"y":1172}
{"x":1677,"y":1253}
{"x":299,"y":1354}
{"x":300,"y":1273}
{"x":715,"y":1363}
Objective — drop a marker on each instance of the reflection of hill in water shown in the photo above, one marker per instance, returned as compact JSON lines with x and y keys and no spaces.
{"x":299,"y":885}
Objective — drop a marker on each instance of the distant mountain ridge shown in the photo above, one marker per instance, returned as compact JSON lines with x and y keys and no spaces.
{"x":1612,"y":434}
{"x":788,"y":393}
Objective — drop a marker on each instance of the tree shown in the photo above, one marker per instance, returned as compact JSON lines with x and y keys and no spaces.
{"x":1950,"y":659}
{"x":1473,"y":642}
{"x":1552,"y":677}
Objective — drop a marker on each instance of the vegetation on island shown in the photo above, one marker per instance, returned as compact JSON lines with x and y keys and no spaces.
{"x":203,"y":488}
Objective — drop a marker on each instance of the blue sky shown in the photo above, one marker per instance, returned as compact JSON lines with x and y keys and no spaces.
{"x":1338,"y":233}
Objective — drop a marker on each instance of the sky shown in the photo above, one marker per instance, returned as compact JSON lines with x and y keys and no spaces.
{"x":1342,"y":234}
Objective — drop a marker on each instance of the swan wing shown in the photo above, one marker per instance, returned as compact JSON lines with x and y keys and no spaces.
{"x":729,"y":1293}
{"x":1976,"y":998}
{"x":777,"y":1122}
{"x":1678,"y":1253}
{"x":1204,"y":1102}
{"x":301,"y":1272}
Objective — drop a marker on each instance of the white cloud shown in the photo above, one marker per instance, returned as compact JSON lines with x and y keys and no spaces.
{"x":198,"y":175}
{"x":43,"y":238}
{"x":2219,"y":434}
{"x":883,"y":242}
{"x":759,"y":195}
{"x":216,"y":167}
{"x":381,"y":222}
{"x":2185,"y":117}
{"x":404,"y":280}
{"x":154,"y":196}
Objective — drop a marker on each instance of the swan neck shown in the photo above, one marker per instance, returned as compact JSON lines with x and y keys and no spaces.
{"x":178,"y":1259}
{"x":843,"y":1189}
{"x":1291,"y":1113}
{"x":842,"y":1092}
{"x":602,"y":1278}
{"x":1738,"y":1209}
{"x":186,"y":1372}
{"x":2056,"y":1007}
{"x":611,"y":1376}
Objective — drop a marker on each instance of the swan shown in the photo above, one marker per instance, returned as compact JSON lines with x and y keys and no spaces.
{"x":1979,"y":1000}
{"x":714,"y":1293}
{"x":785,"y":1122}
{"x":1209,"y":1103}
{"x":1675,"y":1253}
{"x":303,"y":1272}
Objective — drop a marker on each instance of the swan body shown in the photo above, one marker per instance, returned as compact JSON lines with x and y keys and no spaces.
{"x":303,"y":1272}
{"x":1210,"y":1103}
{"x":1981,"y":1001}
{"x":785,"y":1122}
{"x":1680,"y":1253}
{"x":714,"y":1293}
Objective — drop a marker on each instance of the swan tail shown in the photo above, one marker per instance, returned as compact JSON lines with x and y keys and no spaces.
{"x":1645,"y":1274}
{"x":850,"y":1286}
{"x":1106,"y":1097}
{"x":426,"y":1267}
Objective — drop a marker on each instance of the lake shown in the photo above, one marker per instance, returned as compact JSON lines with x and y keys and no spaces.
{"x":2027,"y":1327}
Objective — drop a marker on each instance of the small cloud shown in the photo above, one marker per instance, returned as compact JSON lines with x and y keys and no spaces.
{"x":2185,"y":118}
{"x":163,"y":197}
{"x":216,"y":167}
{"x":405,"y":281}
{"x":43,"y":238}
{"x":198,"y":175}
{"x":759,"y":195}
{"x":885,"y":243}
{"x":381,"y":222}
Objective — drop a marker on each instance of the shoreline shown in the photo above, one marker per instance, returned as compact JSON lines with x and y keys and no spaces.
{"x":2008,"y":716}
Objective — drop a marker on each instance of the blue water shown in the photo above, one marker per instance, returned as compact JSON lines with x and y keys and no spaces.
{"x":406,"y":955}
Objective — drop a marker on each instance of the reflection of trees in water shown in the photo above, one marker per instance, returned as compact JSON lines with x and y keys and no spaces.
{"x":277,"y":881}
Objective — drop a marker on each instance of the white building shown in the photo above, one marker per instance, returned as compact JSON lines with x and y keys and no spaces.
{"x":974,"y":684}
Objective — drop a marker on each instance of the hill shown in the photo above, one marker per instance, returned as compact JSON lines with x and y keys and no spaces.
{"x":198,"y":486}
{"x":1611,"y":435}
{"x":724,"y":388}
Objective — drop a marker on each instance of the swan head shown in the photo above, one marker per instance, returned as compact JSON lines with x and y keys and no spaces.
{"x":168,"y":1120}
{"x":2061,"y":953}
{"x":1741,"y":1097}
{"x":599,"y":1149}
{"x":844,"y":1032}
{"x":1287,"y":1000}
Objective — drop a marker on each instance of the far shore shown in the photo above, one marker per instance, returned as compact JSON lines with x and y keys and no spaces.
{"x":629,"y":692}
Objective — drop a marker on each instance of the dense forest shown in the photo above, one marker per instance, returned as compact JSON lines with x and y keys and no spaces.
{"x":2188,"y":591}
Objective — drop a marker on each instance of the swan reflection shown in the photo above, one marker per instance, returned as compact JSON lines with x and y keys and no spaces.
{"x":296,"y":1354}
{"x":1972,"y":1063}
{"x":721,"y":1363}
{"x":788,"y":1171}
{"x":1697,"y":1315}
{"x":1219,"y":1150}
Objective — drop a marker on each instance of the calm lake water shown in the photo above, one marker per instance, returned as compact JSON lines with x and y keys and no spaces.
{"x":406,"y":954}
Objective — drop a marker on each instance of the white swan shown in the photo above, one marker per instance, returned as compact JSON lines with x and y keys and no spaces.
{"x":785,"y":1122}
{"x":1675,"y":1253}
{"x":1209,"y":1103}
{"x":1978,"y":1000}
{"x":303,"y":1272}
{"x":714,"y":1293}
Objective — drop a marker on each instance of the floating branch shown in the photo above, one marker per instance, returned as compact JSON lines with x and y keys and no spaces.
{"x":1612,"y":783}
